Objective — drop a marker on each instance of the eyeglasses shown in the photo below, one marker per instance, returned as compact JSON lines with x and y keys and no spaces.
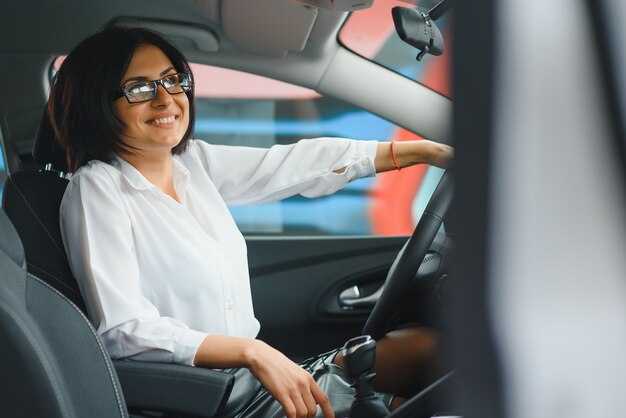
{"x":145,"y":90}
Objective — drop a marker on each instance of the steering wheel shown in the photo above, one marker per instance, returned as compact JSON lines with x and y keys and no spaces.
{"x":409,"y":259}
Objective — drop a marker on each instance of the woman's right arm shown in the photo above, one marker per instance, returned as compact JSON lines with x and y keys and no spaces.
{"x":288,"y":383}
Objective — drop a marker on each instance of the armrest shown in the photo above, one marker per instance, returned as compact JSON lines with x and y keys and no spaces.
{"x":173,"y":387}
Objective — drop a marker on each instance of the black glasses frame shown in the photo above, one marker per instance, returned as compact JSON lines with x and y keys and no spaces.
{"x":123,"y":92}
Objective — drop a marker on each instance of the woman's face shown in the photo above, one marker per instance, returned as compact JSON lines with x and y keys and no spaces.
{"x":158,"y":125}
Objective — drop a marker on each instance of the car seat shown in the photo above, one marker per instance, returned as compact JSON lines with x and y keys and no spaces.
{"x":31,"y":200}
{"x":53,"y":362}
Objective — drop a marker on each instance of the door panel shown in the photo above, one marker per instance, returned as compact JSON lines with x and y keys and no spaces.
{"x":296,"y":284}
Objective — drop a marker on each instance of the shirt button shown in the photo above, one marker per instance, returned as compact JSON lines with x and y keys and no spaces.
{"x":363,"y":162}
{"x":230,"y":306}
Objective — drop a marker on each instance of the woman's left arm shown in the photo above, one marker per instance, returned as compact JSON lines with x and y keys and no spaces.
{"x":390,"y":156}
{"x":310,"y":167}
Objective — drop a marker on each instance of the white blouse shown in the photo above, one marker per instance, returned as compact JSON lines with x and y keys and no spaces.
{"x":157,"y":275}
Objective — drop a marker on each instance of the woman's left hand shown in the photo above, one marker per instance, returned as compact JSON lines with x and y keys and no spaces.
{"x":407,"y":153}
{"x":441,"y":155}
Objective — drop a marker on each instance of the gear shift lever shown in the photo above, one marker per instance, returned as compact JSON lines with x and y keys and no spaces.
{"x":359,"y":356}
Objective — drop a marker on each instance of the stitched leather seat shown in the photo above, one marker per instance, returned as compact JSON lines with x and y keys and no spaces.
{"x":53,"y":363}
{"x":55,"y":310}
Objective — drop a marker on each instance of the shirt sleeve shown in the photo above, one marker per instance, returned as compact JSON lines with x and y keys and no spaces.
{"x":247,"y":175}
{"x":98,"y":239}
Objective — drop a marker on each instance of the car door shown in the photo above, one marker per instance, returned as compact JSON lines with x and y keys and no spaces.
{"x":298,"y":285}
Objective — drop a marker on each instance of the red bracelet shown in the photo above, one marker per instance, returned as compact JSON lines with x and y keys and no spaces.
{"x":393,"y":158}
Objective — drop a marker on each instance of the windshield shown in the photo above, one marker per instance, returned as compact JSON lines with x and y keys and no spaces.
{"x":371,"y":34}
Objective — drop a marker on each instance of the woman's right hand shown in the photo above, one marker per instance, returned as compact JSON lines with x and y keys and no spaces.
{"x":288,"y":383}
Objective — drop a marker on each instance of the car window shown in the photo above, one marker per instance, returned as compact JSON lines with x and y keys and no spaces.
{"x":3,"y":170}
{"x":237,"y":108}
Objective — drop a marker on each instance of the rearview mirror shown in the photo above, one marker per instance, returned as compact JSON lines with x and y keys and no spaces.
{"x":418,"y":28}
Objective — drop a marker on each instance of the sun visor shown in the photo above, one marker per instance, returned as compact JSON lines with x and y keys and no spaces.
{"x":268,"y":27}
{"x":192,"y":40}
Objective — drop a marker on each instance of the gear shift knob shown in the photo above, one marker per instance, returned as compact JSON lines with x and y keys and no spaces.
{"x":359,"y":356}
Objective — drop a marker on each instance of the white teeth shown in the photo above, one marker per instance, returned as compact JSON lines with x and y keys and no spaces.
{"x":160,"y":121}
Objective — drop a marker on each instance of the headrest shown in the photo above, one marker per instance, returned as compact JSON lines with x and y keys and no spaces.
{"x":10,"y":243}
{"x":46,"y":150}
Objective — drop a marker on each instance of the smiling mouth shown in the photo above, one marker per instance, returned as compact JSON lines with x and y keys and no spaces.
{"x":163,"y":121}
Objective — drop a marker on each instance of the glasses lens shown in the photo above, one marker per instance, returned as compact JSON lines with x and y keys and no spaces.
{"x":140,"y":91}
{"x":177,"y":83}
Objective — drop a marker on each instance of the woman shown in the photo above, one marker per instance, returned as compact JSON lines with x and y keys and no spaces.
{"x":159,"y":260}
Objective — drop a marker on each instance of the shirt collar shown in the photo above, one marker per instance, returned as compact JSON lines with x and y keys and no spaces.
{"x":139,"y":182}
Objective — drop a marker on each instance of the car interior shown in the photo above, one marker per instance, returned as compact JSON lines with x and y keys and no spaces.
{"x":317,"y":277}
{"x":493,"y":252}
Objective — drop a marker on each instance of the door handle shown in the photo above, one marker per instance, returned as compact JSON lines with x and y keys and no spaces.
{"x":351,"y":298}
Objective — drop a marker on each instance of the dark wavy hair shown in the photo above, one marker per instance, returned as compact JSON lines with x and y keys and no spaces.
{"x":82,"y":93}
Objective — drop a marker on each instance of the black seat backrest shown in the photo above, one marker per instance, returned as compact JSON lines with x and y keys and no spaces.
{"x":52,"y":362}
{"x":31,"y":200}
